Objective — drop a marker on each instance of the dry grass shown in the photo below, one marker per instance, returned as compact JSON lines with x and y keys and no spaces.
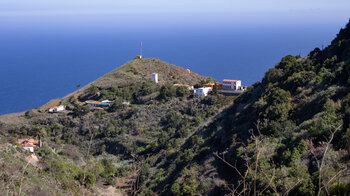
{"x":52,"y":103}
{"x":140,"y":70}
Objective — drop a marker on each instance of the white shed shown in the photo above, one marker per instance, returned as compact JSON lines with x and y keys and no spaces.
{"x":57,"y":109}
{"x":202,"y":91}
{"x":155,"y":77}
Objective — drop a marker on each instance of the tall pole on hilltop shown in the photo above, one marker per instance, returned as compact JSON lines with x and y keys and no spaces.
{"x":141,"y":49}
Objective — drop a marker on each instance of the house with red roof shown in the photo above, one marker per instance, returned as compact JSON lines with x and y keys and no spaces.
{"x":29,"y":144}
{"x":155,"y":77}
{"x":57,"y":109}
{"x":228,"y":84}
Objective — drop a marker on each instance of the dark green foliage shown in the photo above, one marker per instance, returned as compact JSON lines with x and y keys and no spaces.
{"x":176,"y":189}
{"x":299,"y":79}
{"x":148,"y":88}
{"x":108,"y":168}
{"x":89,"y":179}
{"x":327,"y":121}
{"x":272,"y":76}
{"x":173,"y":120}
{"x":339,"y":189}
{"x":117,"y":104}
{"x":167,"y":92}
{"x":80,"y":111}
{"x":182,"y":91}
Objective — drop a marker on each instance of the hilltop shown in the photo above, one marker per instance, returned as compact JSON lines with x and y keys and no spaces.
{"x":140,"y":70}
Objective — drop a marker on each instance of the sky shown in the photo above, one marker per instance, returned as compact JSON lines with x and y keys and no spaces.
{"x":83,"y":13}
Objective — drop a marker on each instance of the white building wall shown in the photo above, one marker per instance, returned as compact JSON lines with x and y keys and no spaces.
{"x":155,"y":78}
{"x":59,"y":109}
{"x":238,"y":84}
{"x":202,"y":91}
{"x":231,"y":85}
{"x":31,"y":149}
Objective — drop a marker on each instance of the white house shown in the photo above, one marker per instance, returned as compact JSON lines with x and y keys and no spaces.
{"x":231,"y":84}
{"x":155,"y":77}
{"x":29,"y":144}
{"x":57,"y":109}
{"x":202,"y":91}
{"x":107,"y":101}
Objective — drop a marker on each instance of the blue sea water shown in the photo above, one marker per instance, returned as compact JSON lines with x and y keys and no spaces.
{"x":37,"y":66}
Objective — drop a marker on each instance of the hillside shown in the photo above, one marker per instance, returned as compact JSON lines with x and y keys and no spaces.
{"x":288,"y":134}
{"x":107,"y":146}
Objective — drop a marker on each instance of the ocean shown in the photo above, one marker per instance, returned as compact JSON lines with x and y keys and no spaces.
{"x":40,"y":65}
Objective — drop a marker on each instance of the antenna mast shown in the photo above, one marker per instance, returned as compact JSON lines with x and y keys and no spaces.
{"x":141,"y":49}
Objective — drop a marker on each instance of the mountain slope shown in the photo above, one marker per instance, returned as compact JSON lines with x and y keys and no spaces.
{"x":288,"y":134}
{"x":110,"y":146}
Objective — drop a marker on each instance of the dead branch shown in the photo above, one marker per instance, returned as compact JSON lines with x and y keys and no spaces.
{"x":20,"y":182}
{"x":88,"y":152}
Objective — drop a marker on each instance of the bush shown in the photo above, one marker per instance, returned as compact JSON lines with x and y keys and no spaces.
{"x":182,"y":91}
{"x":80,"y":111}
{"x":167,"y":92}
{"x":90,"y":178}
{"x":299,"y":79}
{"x":272,"y":76}
{"x":117,"y":104}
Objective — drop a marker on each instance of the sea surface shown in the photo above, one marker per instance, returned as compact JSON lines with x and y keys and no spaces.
{"x":40,"y":65}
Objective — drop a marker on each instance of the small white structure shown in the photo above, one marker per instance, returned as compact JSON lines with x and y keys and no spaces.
{"x":155,"y":77}
{"x":56,"y":109}
{"x":126,"y":103}
{"x":202,"y":91}
{"x":107,"y":101}
{"x":29,"y":148}
{"x":231,"y":84}
{"x":243,"y":88}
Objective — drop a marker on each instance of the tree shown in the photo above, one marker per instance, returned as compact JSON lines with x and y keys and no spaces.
{"x":80,"y":111}
{"x":117,"y":104}
{"x":182,"y":91}
{"x":167,"y":91}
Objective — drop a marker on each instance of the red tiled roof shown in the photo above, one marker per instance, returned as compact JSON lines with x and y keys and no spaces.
{"x":228,"y":80}
{"x":28,"y":145}
{"x":56,"y":107}
{"x":97,"y":108}
{"x":28,"y":142}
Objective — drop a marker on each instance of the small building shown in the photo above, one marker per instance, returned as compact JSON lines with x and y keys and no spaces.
{"x":126,"y":103}
{"x":231,"y":84}
{"x":93,"y":103}
{"x":105,"y":103}
{"x":212,"y":84}
{"x":29,"y":144}
{"x":57,"y":109}
{"x":202,"y":91}
{"x":155,"y":77}
{"x":243,"y":88}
